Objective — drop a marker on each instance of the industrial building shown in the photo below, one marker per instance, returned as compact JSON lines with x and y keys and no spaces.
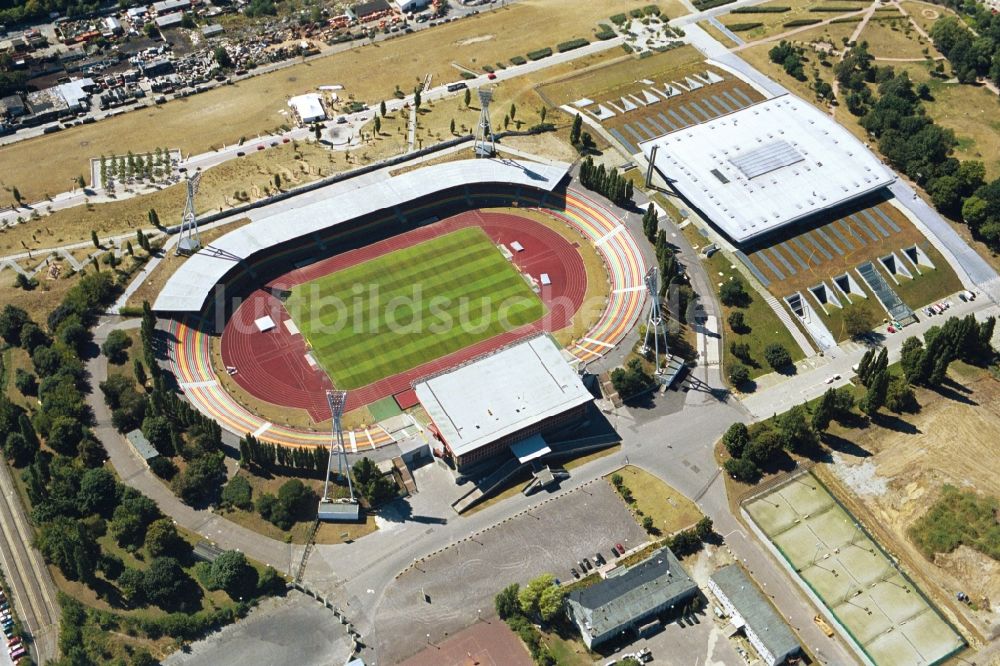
{"x":752,"y":613}
{"x":308,"y":108}
{"x":504,"y":402}
{"x":766,"y":166}
{"x":630,"y":600}
{"x":408,"y":6}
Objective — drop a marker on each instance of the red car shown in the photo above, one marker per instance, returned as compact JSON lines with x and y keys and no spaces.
{"x":491,"y":76}
{"x":621,"y":548}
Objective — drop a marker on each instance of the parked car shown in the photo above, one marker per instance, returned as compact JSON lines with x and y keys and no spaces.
{"x":621,"y":549}
{"x":240,"y":154}
{"x":600,"y":559}
{"x":576,"y":574}
{"x":587,"y":562}
{"x":491,"y":76}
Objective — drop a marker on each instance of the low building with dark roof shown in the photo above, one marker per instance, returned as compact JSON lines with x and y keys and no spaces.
{"x":143,"y":448}
{"x":371,"y":9}
{"x":626,"y":601}
{"x":750,"y":611}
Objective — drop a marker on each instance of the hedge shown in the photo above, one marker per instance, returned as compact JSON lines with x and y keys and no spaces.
{"x":518,"y":60}
{"x":651,"y":10}
{"x":834,"y":10}
{"x":619,"y":19}
{"x":488,"y":69}
{"x":562,"y":47}
{"x":846,"y":19}
{"x":604,"y":31}
{"x":743,"y":27}
{"x":539,"y":54}
{"x":709,"y":4}
{"x":800,"y":22}
{"x":761,"y":10}
{"x":635,"y":13}
{"x":468,"y":75}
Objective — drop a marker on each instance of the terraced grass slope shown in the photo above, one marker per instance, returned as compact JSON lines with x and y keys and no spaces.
{"x":411,"y":306}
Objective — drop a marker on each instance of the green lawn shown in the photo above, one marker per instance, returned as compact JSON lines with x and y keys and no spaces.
{"x":411,"y":306}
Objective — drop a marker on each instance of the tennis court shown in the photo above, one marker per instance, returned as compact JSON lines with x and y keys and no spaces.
{"x":884,"y":612}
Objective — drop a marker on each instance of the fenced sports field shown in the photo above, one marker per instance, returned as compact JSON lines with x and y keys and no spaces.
{"x":885,"y":614}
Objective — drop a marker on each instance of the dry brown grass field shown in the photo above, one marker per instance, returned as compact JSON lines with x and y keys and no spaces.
{"x":892,"y":472}
{"x":45,"y":165}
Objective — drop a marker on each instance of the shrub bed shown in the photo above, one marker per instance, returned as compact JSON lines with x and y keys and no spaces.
{"x":761,"y":10}
{"x":799,"y":22}
{"x":539,"y":54}
{"x":743,"y":27}
{"x":651,"y":10}
{"x":562,"y":47}
{"x":709,"y":4}
{"x":604,"y":31}
{"x":619,"y":19}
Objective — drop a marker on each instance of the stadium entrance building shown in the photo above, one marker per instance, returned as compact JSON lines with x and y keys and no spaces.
{"x":504,"y":402}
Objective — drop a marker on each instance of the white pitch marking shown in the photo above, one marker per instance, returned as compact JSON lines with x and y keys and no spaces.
{"x":606,"y":237}
{"x":354,"y":441}
{"x":262,"y":429}
{"x":600,"y":343}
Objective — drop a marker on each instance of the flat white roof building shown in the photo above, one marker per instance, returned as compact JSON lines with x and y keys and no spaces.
{"x":767,"y":166}
{"x":506,"y":393}
{"x":309,"y":107}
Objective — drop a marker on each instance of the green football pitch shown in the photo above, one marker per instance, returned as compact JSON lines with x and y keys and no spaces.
{"x":411,"y":306}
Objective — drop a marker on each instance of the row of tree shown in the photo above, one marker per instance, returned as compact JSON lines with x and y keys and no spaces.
{"x":607,"y":182}
{"x":971,"y":54}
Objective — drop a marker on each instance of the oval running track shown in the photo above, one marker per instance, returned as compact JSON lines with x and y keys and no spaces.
{"x":190,"y":360}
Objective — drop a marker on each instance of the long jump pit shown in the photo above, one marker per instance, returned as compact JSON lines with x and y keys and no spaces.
{"x":856,"y":584}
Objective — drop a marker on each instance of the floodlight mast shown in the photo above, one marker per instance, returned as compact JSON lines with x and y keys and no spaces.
{"x":654,"y":320}
{"x":190,"y":239}
{"x":337,"y":400}
{"x":484,"y":145}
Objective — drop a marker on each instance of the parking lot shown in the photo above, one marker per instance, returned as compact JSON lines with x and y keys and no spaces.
{"x":460,"y":581}
{"x":294,"y":629}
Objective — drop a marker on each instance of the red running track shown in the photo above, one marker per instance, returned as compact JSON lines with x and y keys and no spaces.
{"x":272,"y":365}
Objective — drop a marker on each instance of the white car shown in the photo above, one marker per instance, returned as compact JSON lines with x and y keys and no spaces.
{"x":832,"y":378}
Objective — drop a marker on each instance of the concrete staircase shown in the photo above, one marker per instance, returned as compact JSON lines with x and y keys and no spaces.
{"x":786,"y":319}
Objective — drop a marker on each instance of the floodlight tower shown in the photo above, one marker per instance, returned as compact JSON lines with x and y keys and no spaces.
{"x":337,"y":400}
{"x":190,"y":240}
{"x":484,"y":145}
{"x":654,"y":321}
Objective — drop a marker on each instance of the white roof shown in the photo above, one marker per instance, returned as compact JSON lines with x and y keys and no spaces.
{"x":73,"y":91}
{"x":308,"y":107}
{"x":767,"y":165}
{"x":501,"y":394}
{"x":189,"y":286}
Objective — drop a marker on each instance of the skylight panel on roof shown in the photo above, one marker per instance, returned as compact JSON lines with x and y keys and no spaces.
{"x":769,"y":157}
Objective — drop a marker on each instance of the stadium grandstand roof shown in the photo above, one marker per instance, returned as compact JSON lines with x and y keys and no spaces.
{"x":766,"y":166}
{"x":189,"y":286}
{"x":501,"y":393}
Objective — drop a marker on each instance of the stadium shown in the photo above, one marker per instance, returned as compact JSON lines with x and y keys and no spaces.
{"x":378,"y":285}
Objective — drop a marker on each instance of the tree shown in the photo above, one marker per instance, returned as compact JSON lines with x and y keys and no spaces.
{"x":550,"y":603}
{"x":32,"y":337}
{"x":858,"y":320}
{"x":825,"y":411}
{"x":222,"y":58}
{"x":25,"y":382}
{"x":531,"y":594}
{"x":162,"y":538}
{"x":777,"y":356}
{"x":232,"y":573}
{"x":296,"y":497}
{"x":875,"y":397}
{"x":736,"y":439}
{"x":575,"y":129}
{"x":704,"y":528}
{"x":154,"y":219}
{"x":631,"y":380}
{"x":506,"y":601}
{"x":12,"y":321}
{"x":765,"y":442}
{"x":911,"y":360}
{"x":375,"y":487}
{"x":741,"y":469}
{"x":468,"y":97}
{"x":139,"y":371}
{"x":513,"y":111}
{"x":647,"y":523}
{"x":238,"y":494}
{"x":65,"y":543}
{"x":201,"y":479}
{"x":737,"y":322}
{"x":19,"y":449}
{"x":739,"y":374}
{"x":115,"y":345}
{"x":796,"y":430}
{"x":900,"y":397}
{"x":277,"y":181}
{"x":416,"y":99}
{"x":166,"y":584}
{"x":378,"y":125}
{"x":381,"y":108}
{"x":94,"y":239}
{"x":98,"y":492}
{"x":64,"y":435}
{"x":16,"y":193}
{"x":130,"y":583}
{"x":734,"y":294}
